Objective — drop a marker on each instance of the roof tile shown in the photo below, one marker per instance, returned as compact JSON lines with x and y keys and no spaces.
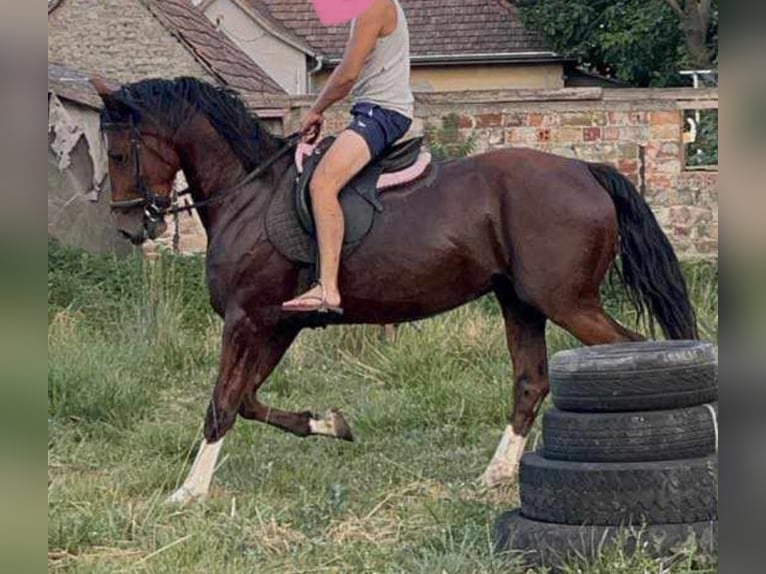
{"x":72,"y":85}
{"x":212,"y":49}
{"x":437,"y":27}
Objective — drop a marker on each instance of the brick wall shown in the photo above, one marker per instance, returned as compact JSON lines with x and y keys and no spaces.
{"x":81,"y":34}
{"x":638,"y":131}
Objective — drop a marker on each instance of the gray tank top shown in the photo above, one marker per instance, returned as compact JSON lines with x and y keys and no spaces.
{"x":385,"y":77}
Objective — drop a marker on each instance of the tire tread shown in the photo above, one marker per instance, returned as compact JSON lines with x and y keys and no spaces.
{"x":629,"y":436}
{"x":549,"y":544}
{"x":665,"y":492}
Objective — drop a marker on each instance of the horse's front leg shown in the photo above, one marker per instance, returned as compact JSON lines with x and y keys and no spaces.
{"x":248,"y":355}
{"x":303,"y":423}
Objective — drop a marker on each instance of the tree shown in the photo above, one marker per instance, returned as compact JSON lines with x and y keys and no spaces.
{"x":642,"y":42}
{"x":696,"y":17}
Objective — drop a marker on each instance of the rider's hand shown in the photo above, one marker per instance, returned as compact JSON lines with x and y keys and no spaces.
{"x":311,"y":125}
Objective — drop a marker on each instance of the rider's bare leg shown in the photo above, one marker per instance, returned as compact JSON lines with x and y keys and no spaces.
{"x":345,"y":158}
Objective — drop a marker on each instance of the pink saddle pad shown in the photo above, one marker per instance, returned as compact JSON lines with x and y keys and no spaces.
{"x":385,"y":180}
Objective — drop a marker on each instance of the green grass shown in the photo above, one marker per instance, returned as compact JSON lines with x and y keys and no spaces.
{"x":132,"y":351}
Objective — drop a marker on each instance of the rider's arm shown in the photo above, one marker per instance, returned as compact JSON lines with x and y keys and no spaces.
{"x":360,"y":44}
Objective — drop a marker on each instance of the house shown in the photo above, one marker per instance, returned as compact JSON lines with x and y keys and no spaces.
{"x":78,"y":194}
{"x":282,"y":54}
{"x":130,"y":40}
{"x":126,"y":41}
{"x":455,"y":44}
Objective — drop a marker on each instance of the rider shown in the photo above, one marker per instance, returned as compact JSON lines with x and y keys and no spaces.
{"x":375,"y":71}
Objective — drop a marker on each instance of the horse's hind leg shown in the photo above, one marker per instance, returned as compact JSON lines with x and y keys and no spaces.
{"x":525,"y":335}
{"x":587,"y":320}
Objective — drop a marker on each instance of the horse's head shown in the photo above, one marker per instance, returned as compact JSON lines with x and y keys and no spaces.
{"x":142,"y":164}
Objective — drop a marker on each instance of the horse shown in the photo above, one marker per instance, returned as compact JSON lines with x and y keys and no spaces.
{"x":538,"y":230}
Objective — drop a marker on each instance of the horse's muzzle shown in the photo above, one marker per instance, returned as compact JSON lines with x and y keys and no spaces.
{"x":154,"y":227}
{"x":135,"y":238}
{"x":137,"y":227}
{"x":150,"y":230}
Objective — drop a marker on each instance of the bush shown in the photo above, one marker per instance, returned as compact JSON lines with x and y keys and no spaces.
{"x":101,"y":286}
{"x":446,"y":142}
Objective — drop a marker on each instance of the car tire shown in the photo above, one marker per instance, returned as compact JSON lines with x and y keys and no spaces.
{"x":635,"y":376}
{"x":614,"y":493}
{"x":549,"y":544}
{"x":635,"y":436}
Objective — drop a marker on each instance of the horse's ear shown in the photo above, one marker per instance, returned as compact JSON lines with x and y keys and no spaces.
{"x":107,"y":91}
{"x":103,"y":87}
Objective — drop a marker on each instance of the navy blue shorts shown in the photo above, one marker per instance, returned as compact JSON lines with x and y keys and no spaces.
{"x":378,"y":126}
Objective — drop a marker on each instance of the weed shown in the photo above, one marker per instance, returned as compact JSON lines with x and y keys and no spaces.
{"x":132,"y":356}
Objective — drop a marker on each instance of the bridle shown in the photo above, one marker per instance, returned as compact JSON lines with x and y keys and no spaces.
{"x":156,"y":206}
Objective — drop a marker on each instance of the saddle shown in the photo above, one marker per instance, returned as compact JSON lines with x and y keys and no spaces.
{"x":290,"y":221}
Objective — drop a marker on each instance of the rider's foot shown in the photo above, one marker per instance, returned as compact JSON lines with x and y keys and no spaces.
{"x":315,"y":299}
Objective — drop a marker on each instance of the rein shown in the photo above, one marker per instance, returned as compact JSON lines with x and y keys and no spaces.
{"x":157,"y":206}
{"x":292,"y":139}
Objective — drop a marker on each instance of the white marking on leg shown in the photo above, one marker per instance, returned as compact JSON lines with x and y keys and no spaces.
{"x":505,"y":461}
{"x":324,"y":426}
{"x":197,"y":483}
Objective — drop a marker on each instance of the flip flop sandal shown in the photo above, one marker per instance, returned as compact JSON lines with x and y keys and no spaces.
{"x":321,"y":307}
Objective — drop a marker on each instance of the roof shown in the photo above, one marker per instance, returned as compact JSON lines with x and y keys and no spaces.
{"x":216,"y":53}
{"x":212,"y":49}
{"x":260,"y":11}
{"x":72,"y":85}
{"x":299,"y":17}
{"x":440,"y":30}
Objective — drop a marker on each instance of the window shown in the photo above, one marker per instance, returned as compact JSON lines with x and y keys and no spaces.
{"x":701,"y":139}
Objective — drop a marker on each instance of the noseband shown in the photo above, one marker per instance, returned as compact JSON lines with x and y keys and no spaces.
{"x":158,"y":206}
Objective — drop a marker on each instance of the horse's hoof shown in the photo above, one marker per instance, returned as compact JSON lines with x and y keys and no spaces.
{"x":340,"y":427}
{"x":498,"y":475}
{"x":332,"y":424}
{"x":184,"y":496}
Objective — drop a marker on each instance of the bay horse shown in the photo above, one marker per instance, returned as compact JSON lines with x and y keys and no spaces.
{"x":538,"y":230}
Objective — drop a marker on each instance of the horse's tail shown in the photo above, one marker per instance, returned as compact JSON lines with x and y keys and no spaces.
{"x":650,"y":270}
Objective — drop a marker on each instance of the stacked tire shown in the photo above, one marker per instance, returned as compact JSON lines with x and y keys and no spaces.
{"x":629,"y":455}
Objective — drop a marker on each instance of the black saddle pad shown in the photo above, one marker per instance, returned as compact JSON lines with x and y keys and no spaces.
{"x":290,"y":221}
{"x":359,"y":199}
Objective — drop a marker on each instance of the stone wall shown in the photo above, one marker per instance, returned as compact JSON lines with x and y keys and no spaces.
{"x":81,"y":35}
{"x":639,"y":131}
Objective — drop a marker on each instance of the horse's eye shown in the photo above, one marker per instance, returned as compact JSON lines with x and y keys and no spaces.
{"x":117,"y":157}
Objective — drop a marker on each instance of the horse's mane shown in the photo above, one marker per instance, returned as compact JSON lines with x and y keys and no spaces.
{"x":171,"y":103}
